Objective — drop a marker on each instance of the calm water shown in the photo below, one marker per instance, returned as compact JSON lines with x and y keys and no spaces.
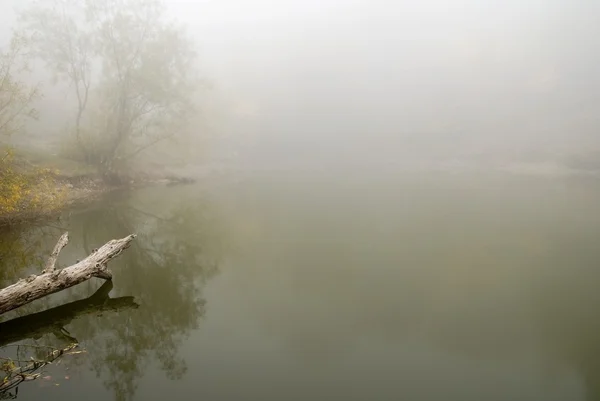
{"x":403,"y":287}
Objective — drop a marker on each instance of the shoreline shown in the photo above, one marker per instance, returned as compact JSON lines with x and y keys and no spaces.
{"x":80,"y":190}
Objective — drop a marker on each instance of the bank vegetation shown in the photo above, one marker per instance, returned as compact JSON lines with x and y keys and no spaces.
{"x":128,"y":75}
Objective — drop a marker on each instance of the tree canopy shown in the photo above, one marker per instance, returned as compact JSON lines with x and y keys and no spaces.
{"x":129,"y":68}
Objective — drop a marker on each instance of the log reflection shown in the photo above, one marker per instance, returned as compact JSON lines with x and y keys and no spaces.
{"x":54,"y":320}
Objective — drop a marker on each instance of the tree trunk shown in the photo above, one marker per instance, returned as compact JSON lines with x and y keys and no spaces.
{"x":52,"y":280}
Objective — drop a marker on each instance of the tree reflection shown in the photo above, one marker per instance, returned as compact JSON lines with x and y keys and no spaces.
{"x":178,"y":248}
{"x":21,"y":250}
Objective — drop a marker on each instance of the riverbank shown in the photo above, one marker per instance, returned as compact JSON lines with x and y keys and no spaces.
{"x":46,"y":197}
{"x":35,"y":187}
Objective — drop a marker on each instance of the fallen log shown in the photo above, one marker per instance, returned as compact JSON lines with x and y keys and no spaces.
{"x":54,"y":320}
{"x":52,"y":280}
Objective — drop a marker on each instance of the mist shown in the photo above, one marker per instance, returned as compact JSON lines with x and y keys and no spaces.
{"x":427,"y":81}
{"x":340,"y":81}
{"x":331,"y":199}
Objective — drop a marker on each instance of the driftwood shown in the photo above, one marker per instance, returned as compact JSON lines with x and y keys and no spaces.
{"x":54,"y":320}
{"x":52,"y":280}
{"x":20,"y":374}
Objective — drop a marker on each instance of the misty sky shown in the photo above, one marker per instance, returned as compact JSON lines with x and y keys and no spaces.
{"x":462,"y":73}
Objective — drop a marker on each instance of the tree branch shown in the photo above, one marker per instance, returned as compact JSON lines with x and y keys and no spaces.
{"x":25,"y":373}
{"x":50,"y":264}
{"x":35,"y":287}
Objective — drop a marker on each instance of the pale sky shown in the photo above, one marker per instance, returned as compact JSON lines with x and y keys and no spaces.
{"x":495,"y":72}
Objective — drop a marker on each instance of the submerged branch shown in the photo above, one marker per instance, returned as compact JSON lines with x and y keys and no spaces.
{"x":25,"y":373}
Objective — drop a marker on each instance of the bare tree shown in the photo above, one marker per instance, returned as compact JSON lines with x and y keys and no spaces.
{"x":16,"y":97}
{"x":60,"y":39}
{"x":127,"y":60}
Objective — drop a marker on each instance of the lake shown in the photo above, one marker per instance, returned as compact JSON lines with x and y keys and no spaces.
{"x":323,"y":286}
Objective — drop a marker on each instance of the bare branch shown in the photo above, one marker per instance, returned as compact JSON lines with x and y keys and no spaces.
{"x":25,"y":373}
{"x":62,"y":242}
{"x":149,"y":144}
{"x":35,"y":287}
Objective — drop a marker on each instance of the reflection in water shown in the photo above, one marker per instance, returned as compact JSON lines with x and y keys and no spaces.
{"x":500,"y":274}
{"x":424,"y":288}
{"x":54,"y":320}
{"x":164,"y":271}
{"x":21,"y":251}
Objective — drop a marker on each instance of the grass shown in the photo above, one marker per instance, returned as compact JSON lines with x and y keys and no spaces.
{"x":35,"y":183}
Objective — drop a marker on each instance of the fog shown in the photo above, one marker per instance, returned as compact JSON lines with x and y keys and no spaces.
{"x":335,"y":258}
{"x":433,"y":79}
{"x":338,"y":81}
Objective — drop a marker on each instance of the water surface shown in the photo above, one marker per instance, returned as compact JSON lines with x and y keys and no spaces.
{"x":430,"y":286}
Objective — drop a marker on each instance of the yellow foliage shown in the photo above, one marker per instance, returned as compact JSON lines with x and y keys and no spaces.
{"x":27,"y":194}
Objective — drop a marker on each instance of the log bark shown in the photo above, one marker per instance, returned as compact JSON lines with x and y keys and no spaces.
{"x":51,"y":264}
{"x":52,"y":280}
{"x":54,"y":320}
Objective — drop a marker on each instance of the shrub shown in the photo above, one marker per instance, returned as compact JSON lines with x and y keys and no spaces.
{"x":27,"y":193}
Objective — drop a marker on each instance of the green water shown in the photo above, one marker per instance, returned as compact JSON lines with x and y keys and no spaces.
{"x":324,"y":287}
